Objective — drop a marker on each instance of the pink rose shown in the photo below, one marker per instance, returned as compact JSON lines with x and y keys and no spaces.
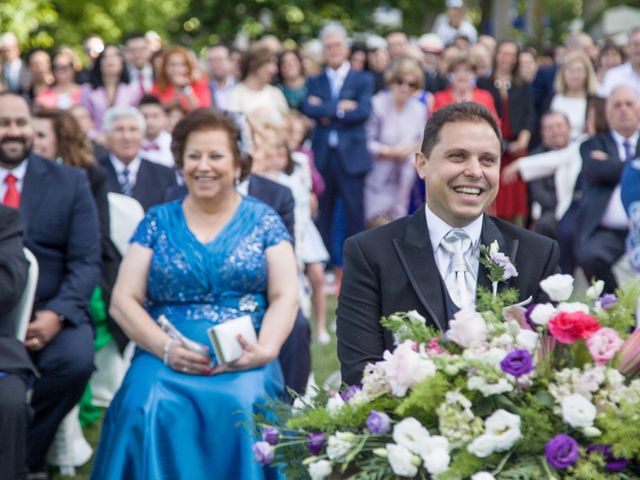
{"x":603,"y":345}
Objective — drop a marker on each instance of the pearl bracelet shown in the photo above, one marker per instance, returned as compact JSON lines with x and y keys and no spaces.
{"x":167,"y":350}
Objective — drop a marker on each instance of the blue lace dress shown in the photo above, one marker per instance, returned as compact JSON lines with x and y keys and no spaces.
{"x":164,"y":424}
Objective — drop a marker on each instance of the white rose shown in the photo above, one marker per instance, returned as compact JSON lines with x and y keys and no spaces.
{"x":577,"y":411}
{"x":595,"y":290}
{"x":487,"y":389}
{"x":402,"y":461}
{"x":416,"y":318}
{"x":527,"y":339}
{"x":482,"y":476}
{"x":573,"y":307}
{"x":405,"y":368}
{"x":437,"y":461}
{"x":410,"y":434}
{"x":483,"y":446}
{"x":467,"y":328}
{"x":504,"y":427}
{"x":339,"y":445}
{"x":320,"y":470}
{"x":334,"y":405}
{"x":559,"y":287}
{"x":542,"y":313}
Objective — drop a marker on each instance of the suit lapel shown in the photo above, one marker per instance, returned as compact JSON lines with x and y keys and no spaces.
{"x":325,"y":84}
{"x":112,"y":176}
{"x":612,"y":148}
{"x":416,"y":256}
{"x":491,"y":232}
{"x":35,"y":181}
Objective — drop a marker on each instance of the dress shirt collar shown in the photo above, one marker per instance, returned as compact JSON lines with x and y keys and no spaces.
{"x":243,"y":187}
{"x":341,"y":72}
{"x":619,"y":139}
{"x":438,"y":228}
{"x":19,"y":172}
{"x":133,"y":167}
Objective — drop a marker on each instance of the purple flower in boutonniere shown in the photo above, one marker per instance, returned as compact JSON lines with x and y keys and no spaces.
{"x":499,"y":266}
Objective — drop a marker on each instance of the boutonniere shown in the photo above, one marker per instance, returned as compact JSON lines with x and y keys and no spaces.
{"x":498,"y":265}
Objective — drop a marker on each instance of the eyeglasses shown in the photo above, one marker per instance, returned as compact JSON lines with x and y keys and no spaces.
{"x":62,"y":67}
{"x":404,"y":81}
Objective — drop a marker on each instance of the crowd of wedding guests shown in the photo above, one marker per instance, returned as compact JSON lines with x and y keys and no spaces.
{"x":325,"y":135}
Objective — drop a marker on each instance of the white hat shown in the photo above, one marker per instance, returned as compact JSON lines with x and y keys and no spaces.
{"x":455,"y":4}
{"x":430,"y":42}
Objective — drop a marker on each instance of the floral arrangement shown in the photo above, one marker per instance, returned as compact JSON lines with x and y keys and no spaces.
{"x":544,"y":391}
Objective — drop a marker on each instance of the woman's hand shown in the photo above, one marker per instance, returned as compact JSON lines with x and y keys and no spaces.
{"x":255,"y":355}
{"x":510,"y":172}
{"x":185,"y":361}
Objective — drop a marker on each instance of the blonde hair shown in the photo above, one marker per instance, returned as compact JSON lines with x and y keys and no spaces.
{"x":591,"y":81}
{"x":405,"y":66}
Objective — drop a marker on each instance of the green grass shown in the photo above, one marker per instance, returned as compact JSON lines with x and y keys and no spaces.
{"x":324,"y":362}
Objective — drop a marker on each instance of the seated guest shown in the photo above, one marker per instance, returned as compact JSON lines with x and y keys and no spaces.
{"x":16,"y":369}
{"x":156,"y":145}
{"x":602,"y":222}
{"x":201,"y":262}
{"x":61,"y":225}
{"x":128,"y":173}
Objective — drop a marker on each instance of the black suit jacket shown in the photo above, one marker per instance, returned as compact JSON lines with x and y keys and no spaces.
{"x":61,"y":229}
{"x":392,"y":268}
{"x":13,"y":277}
{"x":599,"y":179}
{"x":152,"y":181}
{"x":272,"y":193}
{"x":520,"y":99}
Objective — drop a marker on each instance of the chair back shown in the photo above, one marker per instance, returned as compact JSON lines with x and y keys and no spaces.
{"x":25,"y":307}
{"x":124,"y":215}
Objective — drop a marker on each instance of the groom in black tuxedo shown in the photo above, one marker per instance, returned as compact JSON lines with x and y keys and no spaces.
{"x":429,"y":261}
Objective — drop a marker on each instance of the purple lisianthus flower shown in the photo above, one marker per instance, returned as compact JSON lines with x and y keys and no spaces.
{"x":263,"y":452}
{"x":315,"y":442}
{"x":612,"y":464}
{"x":517,"y":363}
{"x":527,"y":314}
{"x":504,"y":261}
{"x":271,"y":435}
{"x":608,"y":300}
{"x":349,"y":392}
{"x":378,"y":422}
{"x":562,"y":451}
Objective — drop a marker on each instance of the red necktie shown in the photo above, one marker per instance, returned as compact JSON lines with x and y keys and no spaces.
{"x":12,"y":195}
{"x":141,"y":81}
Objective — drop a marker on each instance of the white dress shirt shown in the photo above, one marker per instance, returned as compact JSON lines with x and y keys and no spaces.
{"x":438,"y":228}
{"x":336,"y":80}
{"x":162,"y":154}
{"x":133,"y":167}
{"x":147,"y":77}
{"x":19,"y":172}
{"x":615,"y":216}
{"x":621,"y":75}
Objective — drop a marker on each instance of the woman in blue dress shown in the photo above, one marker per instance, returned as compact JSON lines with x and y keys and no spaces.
{"x":207,"y":259}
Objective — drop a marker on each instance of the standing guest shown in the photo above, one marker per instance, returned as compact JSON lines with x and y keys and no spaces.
{"x":39,"y":63}
{"x":61,"y":229}
{"x":138,"y":57}
{"x":221,"y":79}
{"x":454,"y":24}
{"x":16,"y":75}
{"x":527,"y":64}
{"x":154,"y":40}
{"x":179,"y":81}
{"x":108,"y":87}
{"x":378,"y":61}
{"x":394,"y":131}
{"x":255,"y":92}
{"x":358,"y":58}
{"x":128,"y":173}
{"x":514,"y":103}
{"x":291,"y":75}
{"x":339,"y":100}
{"x":65,"y":92}
{"x":482,"y":58}
{"x":16,"y":370}
{"x":156,"y":145}
{"x":397,"y":44}
{"x":602,"y":222}
{"x":432,"y":47}
{"x":610,"y":56}
{"x":629,"y":72}
{"x":202,"y":261}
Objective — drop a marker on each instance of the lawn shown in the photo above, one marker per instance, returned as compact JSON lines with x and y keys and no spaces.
{"x":325,"y":362}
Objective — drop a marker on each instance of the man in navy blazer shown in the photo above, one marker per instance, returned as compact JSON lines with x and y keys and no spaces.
{"x":602,"y":221}
{"x":61,"y":229}
{"x":127,"y":173}
{"x":339,"y":100}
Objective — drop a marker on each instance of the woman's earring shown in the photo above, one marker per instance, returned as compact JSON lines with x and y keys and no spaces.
{"x":236,"y":180}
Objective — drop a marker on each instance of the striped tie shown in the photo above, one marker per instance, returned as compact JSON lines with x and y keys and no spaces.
{"x":457,"y":243}
{"x":125,"y":183}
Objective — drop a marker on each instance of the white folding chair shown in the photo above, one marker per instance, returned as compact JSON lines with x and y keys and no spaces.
{"x":25,"y":307}
{"x":124,"y":215}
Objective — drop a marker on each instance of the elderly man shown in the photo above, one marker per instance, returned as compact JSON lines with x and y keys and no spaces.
{"x":61,"y":229}
{"x":15,"y":73}
{"x":629,"y":72}
{"x":127,"y":172}
{"x":602,"y":221}
{"x":430,"y":261}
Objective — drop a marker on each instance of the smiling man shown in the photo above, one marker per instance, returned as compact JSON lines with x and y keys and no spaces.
{"x":430,"y":261}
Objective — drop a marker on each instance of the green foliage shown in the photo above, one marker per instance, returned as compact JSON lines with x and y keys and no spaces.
{"x":537,"y":425}
{"x":424,"y":400}
{"x":590,"y":468}
{"x":620,"y":316}
{"x":526,"y":468}
{"x":486,"y":303}
{"x":405,"y":326}
{"x":621,"y":430}
{"x":464,"y":464}
{"x":29,"y":20}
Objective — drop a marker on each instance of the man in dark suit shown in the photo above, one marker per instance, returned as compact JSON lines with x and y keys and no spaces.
{"x":15,"y":73}
{"x":16,"y":369}
{"x":602,"y":221}
{"x":339,"y":100}
{"x":127,"y":173}
{"x":61,"y":229}
{"x":429,"y":261}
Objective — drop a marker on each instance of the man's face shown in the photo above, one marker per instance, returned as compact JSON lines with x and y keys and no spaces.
{"x":462,"y":172}
{"x":155,"y":118}
{"x":218,"y":63}
{"x":398,"y":43}
{"x":555,"y":131}
{"x":335,"y":50}
{"x":10,"y":50}
{"x":137,"y":52}
{"x":125,"y":138}
{"x":16,"y":131}
{"x":623,"y":111}
{"x":634,"y":50}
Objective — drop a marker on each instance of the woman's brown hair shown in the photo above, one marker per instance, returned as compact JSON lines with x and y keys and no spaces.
{"x":73,"y":145}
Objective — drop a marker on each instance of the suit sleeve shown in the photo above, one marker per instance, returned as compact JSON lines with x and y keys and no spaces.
{"x":13,"y":265}
{"x":286,"y":212}
{"x":361,"y":113}
{"x":360,"y":335}
{"x":551,"y":268}
{"x":327,"y":109}
{"x":82,"y":254}
{"x":600,"y":172}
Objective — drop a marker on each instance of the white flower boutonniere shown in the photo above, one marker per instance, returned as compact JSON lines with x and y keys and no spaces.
{"x":498,"y":265}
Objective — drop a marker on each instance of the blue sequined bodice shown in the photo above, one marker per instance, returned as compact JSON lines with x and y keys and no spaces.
{"x":197,"y":285}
